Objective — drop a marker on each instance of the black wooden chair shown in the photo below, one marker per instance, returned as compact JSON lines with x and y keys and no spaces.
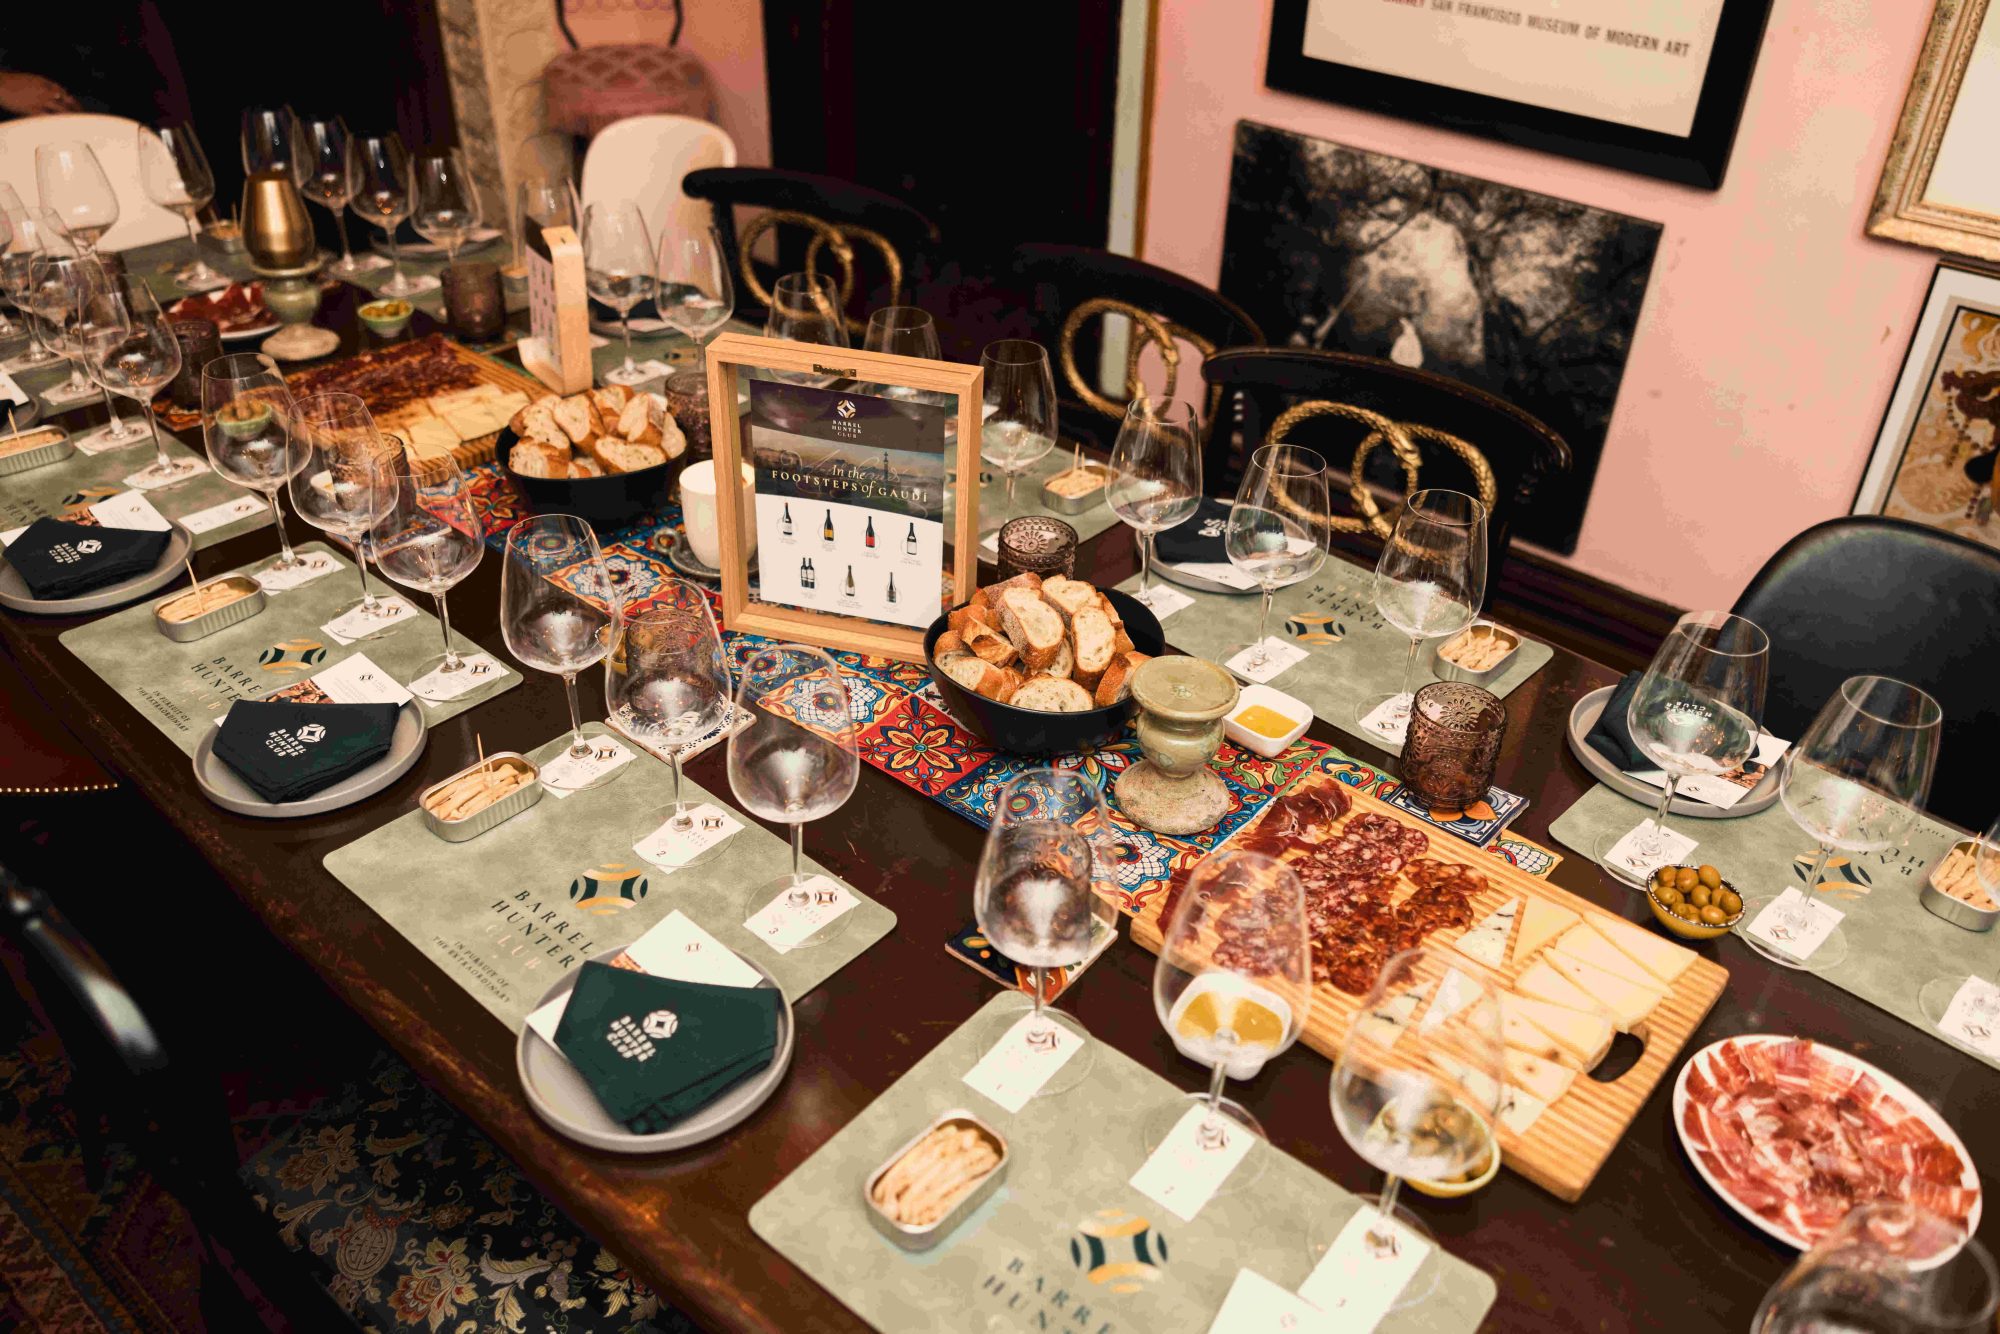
{"x":1068,"y":286}
{"x":1254,"y":386}
{"x":1868,"y":595}
{"x":878,"y":246}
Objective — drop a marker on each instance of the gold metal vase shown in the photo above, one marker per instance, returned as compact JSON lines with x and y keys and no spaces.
{"x":276,"y":231}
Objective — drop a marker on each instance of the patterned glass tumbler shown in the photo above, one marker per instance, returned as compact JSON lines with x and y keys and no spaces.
{"x":1453,"y":744}
{"x":1035,"y":543}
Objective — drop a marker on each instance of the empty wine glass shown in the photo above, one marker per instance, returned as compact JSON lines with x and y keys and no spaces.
{"x":906,"y":331}
{"x":57,"y":287}
{"x":541,"y":202}
{"x":1233,"y":985}
{"x":1696,"y":711}
{"x":1033,"y":900}
{"x":1429,"y":582}
{"x":1853,"y":781}
{"x":618,"y":265}
{"x":75,"y":188}
{"x":1418,"y":1098}
{"x":319,"y":169}
{"x":805,"y":308}
{"x":559,"y":611}
{"x":1155,"y":473}
{"x":379,"y":189}
{"x":348,"y":479}
{"x":445,"y":202}
{"x":134,"y":354}
{"x":666,"y":685}
{"x":35,"y":232}
{"x":1019,"y":426}
{"x":268,"y":144}
{"x":696,"y":294}
{"x":10,"y":210}
{"x":1982,"y":1015}
{"x":246,"y":425}
{"x":429,"y":539}
{"x":795,"y":760}
{"x":177,"y":177}
{"x":94,"y":321}
{"x":1891,"y":1266}
{"x":1274,"y":533}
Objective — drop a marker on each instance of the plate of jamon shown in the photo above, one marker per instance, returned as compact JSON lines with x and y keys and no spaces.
{"x":238,"y":310}
{"x":1793,"y":1134}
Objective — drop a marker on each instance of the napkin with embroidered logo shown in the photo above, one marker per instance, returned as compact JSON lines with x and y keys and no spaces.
{"x":60,"y":559}
{"x":288,"y":751}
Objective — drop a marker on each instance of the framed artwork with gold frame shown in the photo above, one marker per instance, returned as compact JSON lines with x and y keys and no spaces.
{"x":836,"y":472}
{"x":1938,"y":188}
{"x":1934,"y":455}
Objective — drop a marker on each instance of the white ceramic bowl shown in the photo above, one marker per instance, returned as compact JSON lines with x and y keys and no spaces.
{"x":1278,"y":702}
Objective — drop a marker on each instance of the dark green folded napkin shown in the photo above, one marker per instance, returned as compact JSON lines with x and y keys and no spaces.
{"x":1612,"y":737}
{"x":1200,"y":540}
{"x":287,"y":751}
{"x":655,"y":1051}
{"x":60,"y":559}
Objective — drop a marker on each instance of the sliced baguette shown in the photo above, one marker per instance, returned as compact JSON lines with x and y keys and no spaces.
{"x":573,"y":416}
{"x":976,"y":675}
{"x":948,"y":642}
{"x":585,"y":466}
{"x":635,"y":420}
{"x":990,"y":644}
{"x":1033,"y":625}
{"x":1096,"y":645}
{"x":1069,"y":596}
{"x":1116,"y":683}
{"x":1064,"y":667}
{"x":1052,"y":694}
{"x":611,"y":400}
{"x":673,"y":441}
{"x":532,"y":458}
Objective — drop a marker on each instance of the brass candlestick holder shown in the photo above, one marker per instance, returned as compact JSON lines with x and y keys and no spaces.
{"x":1182,"y":702}
{"x":276,"y":230}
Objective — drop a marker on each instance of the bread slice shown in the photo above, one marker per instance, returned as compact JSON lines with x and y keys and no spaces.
{"x":1096,"y":645}
{"x":673,"y":440}
{"x":1033,"y":625}
{"x":1065,"y":664}
{"x":969,"y":618}
{"x":1069,"y":596}
{"x":532,"y":458}
{"x":1116,"y":683}
{"x":582,"y":465}
{"x":948,"y":642}
{"x":537,"y":419}
{"x":573,"y":415}
{"x":1052,"y":694}
{"x":1027,"y":579}
{"x":1110,"y":612}
{"x":622,"y":456}
{"x":991,"y":645}
{"x":611,"y":400}
{"x":637,"y":421}
{"x":978,"y":676}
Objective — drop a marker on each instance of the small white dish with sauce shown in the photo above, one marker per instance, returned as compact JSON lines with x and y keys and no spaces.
{"x":1266,"y":707}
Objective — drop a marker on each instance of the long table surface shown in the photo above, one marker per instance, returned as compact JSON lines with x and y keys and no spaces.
{"x":1648,"y":1246}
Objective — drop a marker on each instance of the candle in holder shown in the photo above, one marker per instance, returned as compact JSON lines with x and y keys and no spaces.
{"x":1453,"y":744}
{"x":1037,"y":544}
{"x":686,"y":392}
{"x":472,"y":301}
{"x":201,"y":343}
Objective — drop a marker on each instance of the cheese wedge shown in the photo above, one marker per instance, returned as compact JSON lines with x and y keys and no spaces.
{"x":1383,"y":1026}
{"x":1656,"y":954}
{"x":1582,"y":942}
{"x":1584,"y":1037}
{"x":1455,"y":992}
{"x":1519,"y":1109}
{"x":1629,"y":1002}
{"x":1541,"y":922}
{"x":1521,"y":1035}
{"x":430,"y":435}
{"x":1542,"y":982}
{"x":1543,"y":1079}
{"x":1487,"y":942}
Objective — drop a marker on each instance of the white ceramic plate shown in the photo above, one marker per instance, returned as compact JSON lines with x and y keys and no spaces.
{"x":14,"y":592}
{"x":1583,"y":717}
{"x":253,"y":331}
{"x":1895,"y":1087}
{"x":226,"y":788}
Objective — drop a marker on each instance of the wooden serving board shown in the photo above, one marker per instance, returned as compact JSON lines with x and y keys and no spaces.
{"x":1567,"y":1144}
{"x":468,"y":453}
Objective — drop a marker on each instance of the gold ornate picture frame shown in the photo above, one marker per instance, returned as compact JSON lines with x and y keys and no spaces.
{"x":1912,"y":202}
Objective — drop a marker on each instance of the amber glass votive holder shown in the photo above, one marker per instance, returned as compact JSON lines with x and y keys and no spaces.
{"x":201,"y":343}
{"x":686,"y":392}
{"x":1453,"y":744}
{"x":1037,"y":544}
{"x":472,"y":301}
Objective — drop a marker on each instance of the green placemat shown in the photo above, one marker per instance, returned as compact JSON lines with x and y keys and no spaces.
{"x":181,"y":688}
{"x":1072,"y":1158}
{"x":1895,"y":944}
{"x":498,"y":912}
{"x":1364,"y":659}
{"x":994,"y":509}
{"x":82,"y":478}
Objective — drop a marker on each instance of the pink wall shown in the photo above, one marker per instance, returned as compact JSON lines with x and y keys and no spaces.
{"x":728,"y":35}
{"x":1773,"y":327}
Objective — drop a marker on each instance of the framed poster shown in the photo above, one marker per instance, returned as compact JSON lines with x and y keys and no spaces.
{"x":1934,"y":456}
{"x":1938,"y":188}
{"x":1651,"y":86}
{"x":845,"y":457}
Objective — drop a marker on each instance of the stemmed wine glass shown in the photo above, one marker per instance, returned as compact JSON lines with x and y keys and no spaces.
{"x":94,"y":320}
{"x":1853,"y":781}
{"x":1429,"y":582}
{"x":35,"y":233}
{"x":267,"y":139}
{"x":133,"y":353}
{"x":1887,"y":1265}
{"x":58,"y":285}
{"x":1233,"y":985}
{"x":348,"y":479}
{"x":379,"y":189}
{"x":246,"y":425}
{"x":75,"y":188}
{"x":445,"y":208}
{"x":906,"y":331}
{"x":10,"y":212}
{"x":795,"y":760}
{"x":1020,"y":413}
{"x":177,"y":177}
{"x":1697,"y":710}
{"x":319,"y":169}
{"x":666,"y":684}
{"x":805,"y":308}
{"x":542,"y":203}
{"x":695,"y":294}
{"x":1155,"y":473}
{"x":1418,"y":1099}
{"x":618,"y":265}
{"x":1273,"y":535}
{"x":559,"y":611}
{"x":1936,"y":996}
{"x":428,"y":540}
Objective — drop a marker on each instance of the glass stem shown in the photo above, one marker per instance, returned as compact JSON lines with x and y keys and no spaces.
{"x":194,"y":239}
{"x":166,"y":464}
{"x":361,"y":568}
{"x":1145,"y":564}
{"x":798,"y":853}
{"x":1039,"y":973}
{"x":340,"y":225}
{"x":1813,"y":876}
{"x":1385,"y":1207}
{"x":396,"y":254}
{"x":578,"y":747}
{"x":1010,"y":491}
{"x":285,"y":556}
{"x":1410,"y":668}
{"x":117,"y":423}
{"x":1660,"y":813}
{"x":452,"y":662}
{"x":625,"y":327}
{"x":1264,"y":619}
{"x":682,"y":820}
{"x":1216,"y":1079}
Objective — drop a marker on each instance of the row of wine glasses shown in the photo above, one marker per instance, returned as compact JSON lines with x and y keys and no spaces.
{"x":686,"y":277}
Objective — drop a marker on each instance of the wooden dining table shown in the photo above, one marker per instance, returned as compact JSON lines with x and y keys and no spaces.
{"x":1648,"y":1245}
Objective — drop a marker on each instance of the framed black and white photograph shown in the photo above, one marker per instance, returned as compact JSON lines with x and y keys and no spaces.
{"x":1651,"y":86}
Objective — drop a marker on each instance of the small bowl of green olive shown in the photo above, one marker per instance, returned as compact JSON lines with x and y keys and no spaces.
{"x":1694,"y":902}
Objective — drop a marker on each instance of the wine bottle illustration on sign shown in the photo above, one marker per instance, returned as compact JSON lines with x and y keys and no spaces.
{"x":826,"y":529}
{"x":785,"y":520}
{"x":910,"y":542}
{"x":868,"y":538}
{"x":849,"y":590}
{"x":892,"y":587}
{"x":805,"y":574}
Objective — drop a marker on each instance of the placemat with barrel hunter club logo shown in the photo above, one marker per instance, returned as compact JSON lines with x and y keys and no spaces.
{"x":1894,"y":943}
{"x":182,"y":688}
{"x":1066,"y":1242}
{"x":212,"y":508}
{"x":1352,"y":654}
{"x":508,"y":912}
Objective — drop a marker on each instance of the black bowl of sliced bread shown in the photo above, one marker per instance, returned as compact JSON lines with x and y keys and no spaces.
{"x":1042,"y":666}
{"x":607,"y":455}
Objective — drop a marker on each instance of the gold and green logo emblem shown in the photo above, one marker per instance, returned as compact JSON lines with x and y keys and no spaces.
{"x":607,"y":889}
{"x":1118,"y":1250}
{"x":290,"y":657}
{"x":1315,"y":629}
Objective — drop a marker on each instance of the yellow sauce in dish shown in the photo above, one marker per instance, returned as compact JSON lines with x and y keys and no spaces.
{"x":1265,"y":721}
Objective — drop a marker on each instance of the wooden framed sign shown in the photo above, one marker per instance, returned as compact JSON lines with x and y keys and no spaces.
{"x":846,"y":457}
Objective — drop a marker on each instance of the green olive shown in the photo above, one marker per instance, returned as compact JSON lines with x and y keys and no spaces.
{"x":1669,"y":898}
{"x":1686,"y":879}
{"x":1664,"y":877}
{"x":1700,"y":897}
{"x":1730,"y":903}
{"x":1686,"y":912}
{"x":1713,"y":915}
{"x":1709,"y":876}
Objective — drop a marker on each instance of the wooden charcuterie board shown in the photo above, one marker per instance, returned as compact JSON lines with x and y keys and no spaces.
{"x":1567,"y":1144}
{"x":365,"y":374}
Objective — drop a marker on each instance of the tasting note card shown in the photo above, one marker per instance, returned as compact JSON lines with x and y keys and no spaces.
{"x":1065,"y":1220}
